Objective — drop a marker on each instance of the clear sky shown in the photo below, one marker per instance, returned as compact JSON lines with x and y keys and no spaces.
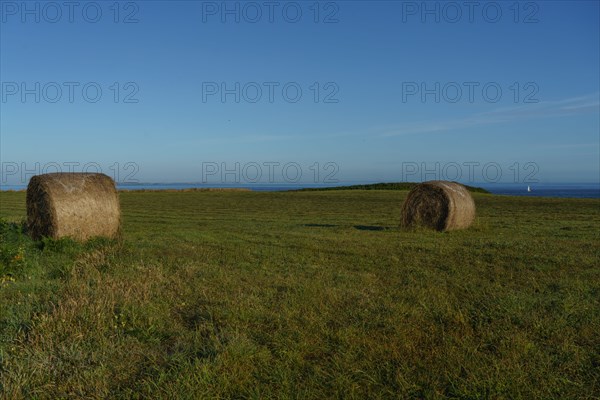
{"x":387,"y":89}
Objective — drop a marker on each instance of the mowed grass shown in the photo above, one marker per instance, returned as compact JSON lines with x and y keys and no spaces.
{"x":305,"y":295}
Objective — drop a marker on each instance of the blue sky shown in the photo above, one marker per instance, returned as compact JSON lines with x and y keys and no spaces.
{"x":367,"y":62}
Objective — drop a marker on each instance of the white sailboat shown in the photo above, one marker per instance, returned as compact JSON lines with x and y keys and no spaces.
{"x":528,"y":188}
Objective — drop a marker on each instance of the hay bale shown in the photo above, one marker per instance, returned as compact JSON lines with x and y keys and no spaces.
{"x":439,"y":205}
{"x":78,"y":205}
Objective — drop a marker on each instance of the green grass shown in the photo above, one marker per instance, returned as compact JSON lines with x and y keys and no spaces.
{"x":384,"y":186}
{"x":304,"y":295}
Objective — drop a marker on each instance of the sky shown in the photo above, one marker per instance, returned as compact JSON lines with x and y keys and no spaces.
{"x":301,"y":92}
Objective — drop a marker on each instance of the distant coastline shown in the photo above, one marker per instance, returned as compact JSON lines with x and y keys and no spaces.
{"x":559,"y":190}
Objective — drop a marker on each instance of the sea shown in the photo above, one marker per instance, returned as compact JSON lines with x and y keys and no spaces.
{"x":561,"y":190}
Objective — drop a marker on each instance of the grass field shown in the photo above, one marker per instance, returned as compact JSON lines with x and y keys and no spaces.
{"x":304,"y":295}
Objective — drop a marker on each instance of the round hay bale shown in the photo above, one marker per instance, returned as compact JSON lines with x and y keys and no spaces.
{"x":439,"y":205}
{"x":77,"y":205}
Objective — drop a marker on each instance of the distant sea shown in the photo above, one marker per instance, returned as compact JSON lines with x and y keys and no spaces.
{"x":578,"y":190}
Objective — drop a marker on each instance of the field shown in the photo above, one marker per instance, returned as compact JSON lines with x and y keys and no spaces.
{"x":304,"y":295}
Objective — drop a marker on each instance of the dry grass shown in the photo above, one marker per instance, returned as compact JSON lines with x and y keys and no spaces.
{"x":77,"y":205}
{"x":439,"y":205}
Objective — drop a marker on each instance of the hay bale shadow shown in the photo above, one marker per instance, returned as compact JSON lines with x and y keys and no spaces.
{"x":370,"y":228}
